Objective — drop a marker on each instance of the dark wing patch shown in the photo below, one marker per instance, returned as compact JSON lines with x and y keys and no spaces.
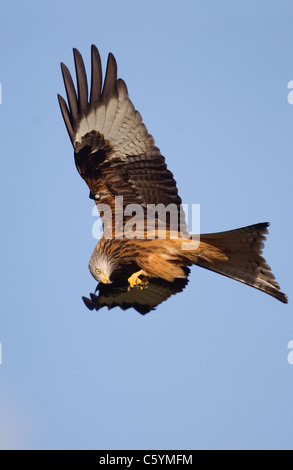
{"x":143,"y":301}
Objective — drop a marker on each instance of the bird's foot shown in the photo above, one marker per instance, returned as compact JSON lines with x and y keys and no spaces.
{"x":135,"y":281}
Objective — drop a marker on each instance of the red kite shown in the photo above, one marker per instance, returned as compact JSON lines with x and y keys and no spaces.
{"x":117,"y":157}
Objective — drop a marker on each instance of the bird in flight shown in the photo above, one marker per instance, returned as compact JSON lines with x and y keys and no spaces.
{"x":118,"y":159}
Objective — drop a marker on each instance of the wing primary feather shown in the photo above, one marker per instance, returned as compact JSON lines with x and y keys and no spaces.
{"x":82,"y":86}
{"x":110,"y":84}
{"x":122,"y":87}
{"x":66,"y":117}
{"x":70,"y":92}
{"x":96,"y":79}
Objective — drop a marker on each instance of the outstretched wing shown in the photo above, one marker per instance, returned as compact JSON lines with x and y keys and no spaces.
{"x":114,"y":153}
{"x":143,"y":301}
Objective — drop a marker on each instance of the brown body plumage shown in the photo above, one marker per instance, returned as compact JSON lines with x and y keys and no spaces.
{"x":117,"y":157}
{"x":235,"y":253}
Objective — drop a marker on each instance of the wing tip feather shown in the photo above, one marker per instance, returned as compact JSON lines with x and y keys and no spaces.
{"x":66,"y":117}
{"x":110,"y":83}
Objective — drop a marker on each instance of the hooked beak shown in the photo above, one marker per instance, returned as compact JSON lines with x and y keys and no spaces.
{"x":105,"y":279}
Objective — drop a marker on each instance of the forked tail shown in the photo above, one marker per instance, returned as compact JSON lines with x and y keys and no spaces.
{"x":240,"y":258}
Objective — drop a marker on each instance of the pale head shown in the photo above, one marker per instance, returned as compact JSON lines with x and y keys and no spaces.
{"x":101,"y":267}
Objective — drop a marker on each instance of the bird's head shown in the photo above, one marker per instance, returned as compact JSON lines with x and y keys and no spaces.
{"x":101,"y":267}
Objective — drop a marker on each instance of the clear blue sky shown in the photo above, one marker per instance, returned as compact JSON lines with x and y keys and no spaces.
{"x":208,"y":368}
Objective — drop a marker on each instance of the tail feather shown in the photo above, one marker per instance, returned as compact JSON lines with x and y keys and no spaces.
{"x":242,"y":259}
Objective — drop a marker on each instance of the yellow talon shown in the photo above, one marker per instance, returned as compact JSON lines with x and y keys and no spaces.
{"x":134,"y":279}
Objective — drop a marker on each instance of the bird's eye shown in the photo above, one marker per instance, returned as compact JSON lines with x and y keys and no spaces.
{"x":97,"y":197}
{"x":98,"y":271}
